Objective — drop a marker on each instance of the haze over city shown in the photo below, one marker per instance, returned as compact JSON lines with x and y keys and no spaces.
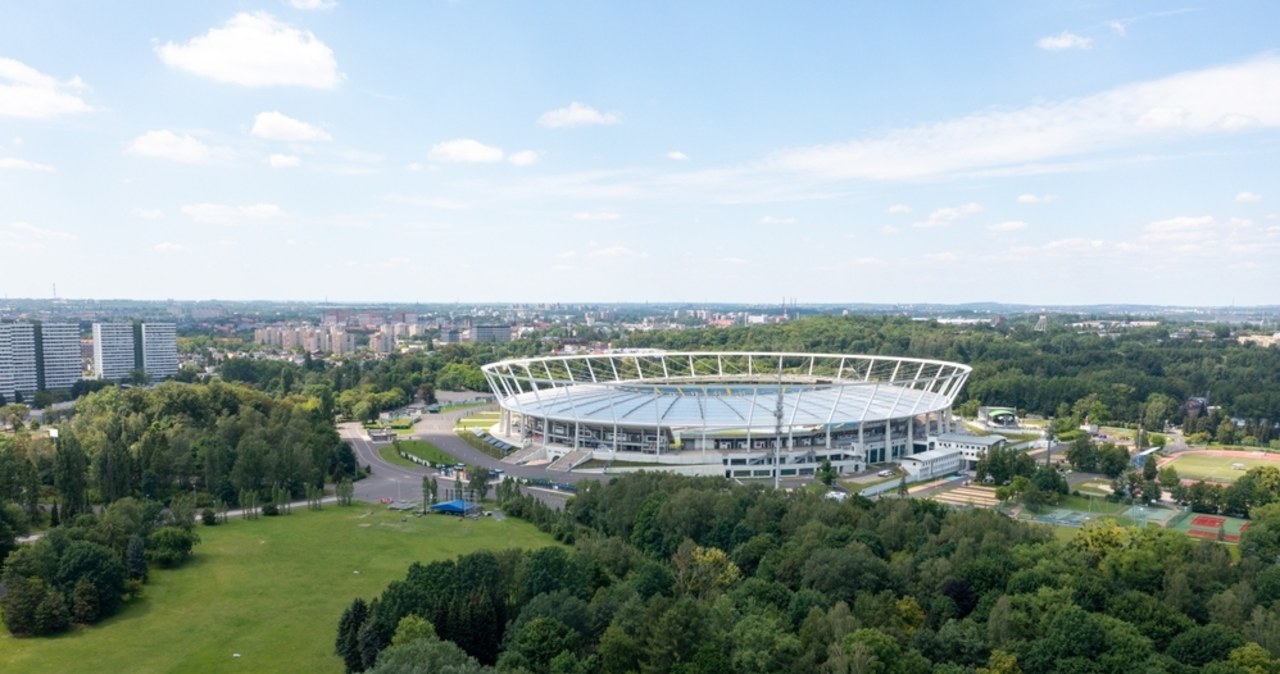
{"x":1082,"y":153}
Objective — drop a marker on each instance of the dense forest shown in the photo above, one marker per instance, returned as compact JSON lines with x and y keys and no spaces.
{"x":360,"y":390}
{"x":1045,"y":373}
{"x":674,"y":574}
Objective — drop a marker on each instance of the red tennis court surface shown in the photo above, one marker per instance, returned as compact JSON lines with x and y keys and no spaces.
{"x":1207,"y":522}
{"x":1213,"y":535}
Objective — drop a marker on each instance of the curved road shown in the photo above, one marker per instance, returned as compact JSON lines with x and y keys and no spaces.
{"x":401,"y":482}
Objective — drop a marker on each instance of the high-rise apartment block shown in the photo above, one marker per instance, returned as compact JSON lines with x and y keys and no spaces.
{"x":60,"y":347}
{"x":114,"y":356}
{"x":159,"y":350}
{"x":38,"y":357}
{"x":18,"y":378}
{"x":121,"y":348}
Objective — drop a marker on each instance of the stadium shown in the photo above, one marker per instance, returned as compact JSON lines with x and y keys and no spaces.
{"x":722,"y":413}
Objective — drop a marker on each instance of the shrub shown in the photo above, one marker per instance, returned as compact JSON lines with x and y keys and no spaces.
{"x":209,"y":517}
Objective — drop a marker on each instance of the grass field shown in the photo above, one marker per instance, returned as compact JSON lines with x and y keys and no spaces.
{"x":1218,"y":468}
{"x":271,"y":590}
{"x":427,"y":452}
{"x":1087,"y":505}
{"x":481,"y":420}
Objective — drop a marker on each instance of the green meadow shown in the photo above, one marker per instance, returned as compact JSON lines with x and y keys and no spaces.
{"x":269,"y":590}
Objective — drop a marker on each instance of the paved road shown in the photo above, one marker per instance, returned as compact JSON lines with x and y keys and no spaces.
{"x":391,"y":481}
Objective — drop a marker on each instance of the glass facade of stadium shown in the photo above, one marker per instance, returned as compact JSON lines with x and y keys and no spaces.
{"x":725,"y":412}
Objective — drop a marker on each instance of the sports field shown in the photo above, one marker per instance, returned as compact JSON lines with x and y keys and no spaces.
{"x":1210,"y":527}
{"x":270,"y":590}
{"x":1217,"y":465}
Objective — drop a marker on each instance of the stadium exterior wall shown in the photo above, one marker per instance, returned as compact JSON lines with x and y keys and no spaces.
{"x":726,"y":412}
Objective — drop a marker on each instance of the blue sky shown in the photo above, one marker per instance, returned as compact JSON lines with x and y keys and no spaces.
{"x":1043,"y":153}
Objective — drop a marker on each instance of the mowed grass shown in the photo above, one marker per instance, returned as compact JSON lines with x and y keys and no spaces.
{"x":427,"y":452}
{"x":271,"y":590}
{"x":1196,"y":466}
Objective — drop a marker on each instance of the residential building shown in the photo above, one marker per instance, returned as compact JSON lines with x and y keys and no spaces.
{"x":18,"y":372}
{"x":61,"y":365}
{"x":159,"y":350}
{"x":114,"y":357}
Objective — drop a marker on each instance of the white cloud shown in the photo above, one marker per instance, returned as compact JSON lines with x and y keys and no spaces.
{"x":1119,"y":27}
{"x":256,"y":50}
{"x":770,"y":220}
{"x":1248,"y":198}
{"x":14,"y":164}
{"x":168,"y":247}
{"x":615,"y":252}
{"x":442,"y":203}
{"x":1213,"y":101}
{"x":524,"y":157}
{"x":165,"y":144}
{"x":226,"y":214}
{"x":1009,"y":226}
{"x":148,"y":213}
{"x":577,"y":114}
{"x":275,"y":126}
{"x":677,"y":155}
{"x":414,"y":166}
{"x":1064,"y":40}
{"x":284,"y":161}
{"x":945,"y":216}
{"x":897,"y":209}
{"x":24,"y":236}
{"x":944,"y":256}
{"x":1036,"y":198}
{"x":465,"y":150}
{"x":597,"y":216}
{"x":309,"y":5}
{"x":229,"y":243}
{"x":28,"y":93}
{"x":888,"y":229}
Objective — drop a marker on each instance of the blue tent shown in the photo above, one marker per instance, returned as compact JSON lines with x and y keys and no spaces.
{"x":457,"y":507}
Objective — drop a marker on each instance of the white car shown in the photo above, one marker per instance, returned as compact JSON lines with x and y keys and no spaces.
{"x":885,"y":473}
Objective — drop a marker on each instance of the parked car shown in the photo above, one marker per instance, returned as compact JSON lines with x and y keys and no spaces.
{"x":885,"y":473}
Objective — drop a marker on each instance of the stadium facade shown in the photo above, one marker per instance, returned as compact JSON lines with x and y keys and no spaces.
{"x":723,"y":413}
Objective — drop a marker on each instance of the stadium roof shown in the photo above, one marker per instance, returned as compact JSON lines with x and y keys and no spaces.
{"x":725,"y":390}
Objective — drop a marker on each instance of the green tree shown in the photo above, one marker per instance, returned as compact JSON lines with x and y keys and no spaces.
{"x":347,"y":645}
{"x":171,"y":546}
{"x":70,"y":470}
{"x":135,"y":559}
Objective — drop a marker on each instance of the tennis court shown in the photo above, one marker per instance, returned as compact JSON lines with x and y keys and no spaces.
{"x":1210,"y":527}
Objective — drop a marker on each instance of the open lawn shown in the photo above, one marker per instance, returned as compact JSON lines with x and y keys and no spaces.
{"x":1088,"y":505}
{"x":427,"y":452}
{"x":271,"y":590}
{"x":1217,"y":465}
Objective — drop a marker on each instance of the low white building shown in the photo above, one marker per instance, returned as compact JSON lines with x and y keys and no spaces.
{"x":931,"y":464}
{"x":971,"y":447}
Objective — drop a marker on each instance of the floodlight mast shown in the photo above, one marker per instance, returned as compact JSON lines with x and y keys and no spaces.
{"x":777,"y":433}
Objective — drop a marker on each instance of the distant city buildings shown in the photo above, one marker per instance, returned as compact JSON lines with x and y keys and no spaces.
{"x":481,"y":334}
{"x":121,"y":348}
{"x":38,"y":357}
{"x":326,"y":339}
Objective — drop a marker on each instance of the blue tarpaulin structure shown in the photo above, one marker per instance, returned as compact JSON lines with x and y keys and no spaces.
{"x":457,"y":507}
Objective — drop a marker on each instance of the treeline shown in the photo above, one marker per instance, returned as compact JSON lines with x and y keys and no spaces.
{"x":1044,"y":373}
{"x":81,"y":572}
{"x":213,"y":441}
{"x":357,"y":389}
{"x":675,"y":574}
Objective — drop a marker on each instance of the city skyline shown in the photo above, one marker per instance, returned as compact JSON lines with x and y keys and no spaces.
{"x":463,"y":151}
